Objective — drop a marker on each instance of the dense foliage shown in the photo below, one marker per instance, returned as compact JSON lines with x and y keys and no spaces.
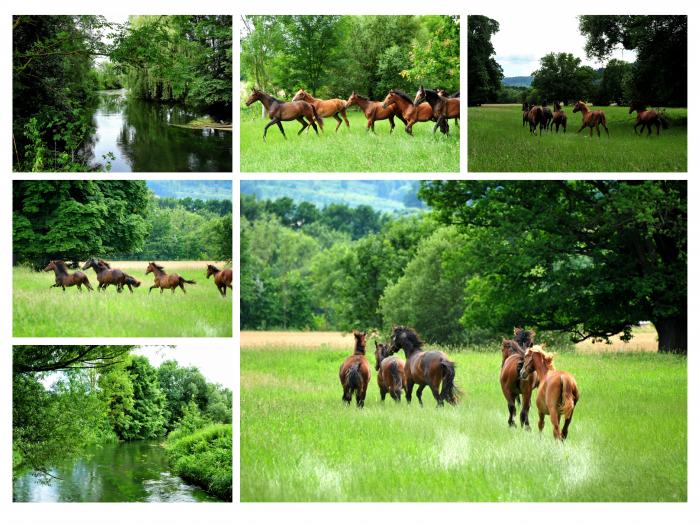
{"x":485,"y":74}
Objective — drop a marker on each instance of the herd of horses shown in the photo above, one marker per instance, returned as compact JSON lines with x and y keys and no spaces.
{"x":524,"y":368}
{"x":428,"y":105}
{"x":108,"y":276}
{"x":543,"y":117}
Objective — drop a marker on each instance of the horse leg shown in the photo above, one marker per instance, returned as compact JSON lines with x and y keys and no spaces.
{"x":511,"y":412}
{"x":382,"y":392}
{"x":391,"y":123}
{"x":279,"y":125}
{"x":345,"y":118}
{"x":336,"y":117}
{"x":581,"y":128}
{"x":419,"y":394}
{"x":540,"y":423}
{"x":554,"y":416}
{"x":409,"y":391}
{"x":361,"y":394}
{"x":525,"y":409}
{"x":304,"y":125}
{"x":347,"y":395}
{"x":181,"y":286}
{"x":436,"y":394}
{"x":151,"y":288}
{"x":272,"y":121}
{"x":222,"y":291}
{"x":313,"y":124}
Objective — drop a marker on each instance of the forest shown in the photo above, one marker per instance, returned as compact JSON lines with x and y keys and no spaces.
{"x":72,"y":404}
{"x":138,"y":94}
{"x":576,"y":260}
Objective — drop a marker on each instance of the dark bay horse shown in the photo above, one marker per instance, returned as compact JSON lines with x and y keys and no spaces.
{"x":164,"y":281}
{"x":63,"y":278}
{"x":647,"y":117}
{"x":547,"y":115}
{"x":106,"y":275}
{"x":522,"y":340}
{"x":325,"y":108}
{"x":443,"y":108}
{"x":425,"y":368}
{"x":355,"y":373}
{"x":375,"y":111}
{"x":559,"y":118}
{"x":280,"y":111}
{"x":591,"y":119}
{"x":391,"y":372}
{"x":410,"y":113}
{"x":222,"y":278}
{"x":526,"y":110}
{"x":558,"y":392}
{"x":513,"y":387}
{"x":535,"y":117}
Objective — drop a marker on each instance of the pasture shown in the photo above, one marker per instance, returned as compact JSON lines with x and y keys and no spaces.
{"x":499,"y":142}
{"x":348,"y":150}
{"x":627,"y":441}
{"x":40,"y":311}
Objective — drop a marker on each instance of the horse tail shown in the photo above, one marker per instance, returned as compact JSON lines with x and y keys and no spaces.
{"x":183,"y":280}
{"x":395,"y":376}
{"x":317,"y":116}
{"x":354,"y":378}
{"x":663,"y":121}
{"x":450,"y":392}
{"x":569,"y":396}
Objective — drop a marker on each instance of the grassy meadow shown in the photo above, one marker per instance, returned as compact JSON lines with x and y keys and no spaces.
{"x":499,"y":142}
{"x":348,"y":150}
{"x":40,"y":311}
{"x":627,"y":440}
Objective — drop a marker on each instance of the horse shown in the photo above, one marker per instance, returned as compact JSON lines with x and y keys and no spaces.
{"x":513,"y":387}
{"x":546,"y":115}
{"x":355,"y":373}
{"x":535,"y":117}
{"x":443,"y":108}
{"x":647,"y":117}
{"x":444,"y":93}
{"x":425,"y":368}
{"x":325,"y":108}
{"x":410,"y":113}
{"x":280,"y":111}
{"x":374,"y":111}
{"x":391,"y":373}
{"x":63,"y":278}
{"x":591,"y":119}
{"x":526,"y":110}
{"x":559,"y":118}
{"x":106,"y":275}
{"x":222,"y":278}
{"x":522,"y":340}
{"x":558,"y":392}
{"x":163,"y":280}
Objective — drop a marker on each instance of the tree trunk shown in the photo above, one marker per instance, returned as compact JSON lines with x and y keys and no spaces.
{"x":673,"y":334}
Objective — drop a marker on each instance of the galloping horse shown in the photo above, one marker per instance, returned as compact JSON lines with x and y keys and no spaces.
{"x":424,"y":368}
{"x":354,"y":373}
{"x":535,"y":116}
{"x":513,"y":386}
{"x":559,"y":117}
{"x":647,"y":117}
{"x":443,"y":108}
{"x":391,"y":373}
{"x":222,"y":278}
{"x":63,"y":278}
{"x":558,"y":392}
{"x":325,"y":108}
{"x":162,"y":280}
{"x":410,"y":113}
{"x":280,"y":111}
{"x":375,"y":111}
{"x":106,"y":275}
{"x":591,"y":119}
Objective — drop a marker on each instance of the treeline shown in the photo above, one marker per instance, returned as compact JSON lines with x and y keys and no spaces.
{"x":102,"y":394}
{"x":330,"y":56}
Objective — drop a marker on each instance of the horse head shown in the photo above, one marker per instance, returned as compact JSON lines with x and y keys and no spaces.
{"x":524,"y":338}
{"x":211,"y":270}
{"x":420,"y":96}
{"x":90,"y":263}
{"x":51,"y":266}
{"x":360,"y":341}
{"x":300,"y":95}
{"x":380,"y":352}
{"x":404,"y":338}
{"x":535,"y":358}
{"x":151,"y":267}
{"x":579,"y":106}
{"x":254,"y":96}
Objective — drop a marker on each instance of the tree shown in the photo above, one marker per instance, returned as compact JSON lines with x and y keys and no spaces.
{"x":485,"y":74}
{"x":181,"y":386}
{"x":562,"y":78}
{"x":589,"y":257}
{"x":31,"y":359}
{"x":612,"y":86}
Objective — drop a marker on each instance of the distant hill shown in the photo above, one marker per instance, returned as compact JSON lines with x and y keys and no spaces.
{"x":195,"y":189}
{"x":383,"y":195}
{"x":517,"y":81}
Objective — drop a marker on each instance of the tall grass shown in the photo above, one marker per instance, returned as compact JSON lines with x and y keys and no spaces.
{"x":40,"y":311}
{"x":499,"y":142}
{"x":627,"y":440}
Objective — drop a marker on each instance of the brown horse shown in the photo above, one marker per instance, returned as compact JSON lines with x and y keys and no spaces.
{"x":522,"y":340}
{"x":558,"y":392}
{"x":374,"y":111}
{"x":535,"y":117}
{"x":280,"y":111}
{"x":559,"y":118}
{"x":164,"y":281}
{"x":591,"y":119}
{"x":647,"y":117}
{"x":222,"y":278}
{"x":325,"y":108}
{"x":526,"y":110}
{"x":391,"y":373}
{"x":107,"y":276}
{"x":410,"y":113}
{"x":425,"y":368}
{"x":513,"y":386}
{"x":443,"y":108}
{"x":63,"y":278}
{"x":354,"y":373}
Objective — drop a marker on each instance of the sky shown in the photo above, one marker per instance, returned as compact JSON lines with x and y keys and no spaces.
{"x":519,"y":47}
{"x":215,"y":361}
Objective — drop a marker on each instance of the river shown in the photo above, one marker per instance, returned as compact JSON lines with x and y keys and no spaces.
{"x":128,"y":471}
{"x":142,"y":138}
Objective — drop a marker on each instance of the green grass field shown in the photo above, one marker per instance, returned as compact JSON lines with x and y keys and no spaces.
{"x":352,"y":150}
{"x":627,"y":440}
{"x":499,"y":142}
{"x":40,"y":311}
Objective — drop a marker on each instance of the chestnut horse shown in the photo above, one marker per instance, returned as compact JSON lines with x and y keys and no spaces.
{"x":513,"y":386}
{"x":222,"y":278}
{"x":443,"y":108}
{"x":591,"y":119}
{"x":559,"y":118}
{"x":410,"y":113}
{"x":374,"y":111}
{"x":354,"y":373}
{"x":325,"y":108}
{"x":164,"y":281}
{"x":558,"y":392}
{"x":280,"y":111}
{"x":647,"y":117}
{"x":106,"y":275}
{"x":63,"y":278}
{"x":391,"y":373}
{"x":425,"y":368}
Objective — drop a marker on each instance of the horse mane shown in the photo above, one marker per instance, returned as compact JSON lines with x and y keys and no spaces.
{"x":403,"y":95}
{"x":362,"y":97}
{"x":411,"y":335}
{"x":537,"y":349}
{"x":102,"y":261}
